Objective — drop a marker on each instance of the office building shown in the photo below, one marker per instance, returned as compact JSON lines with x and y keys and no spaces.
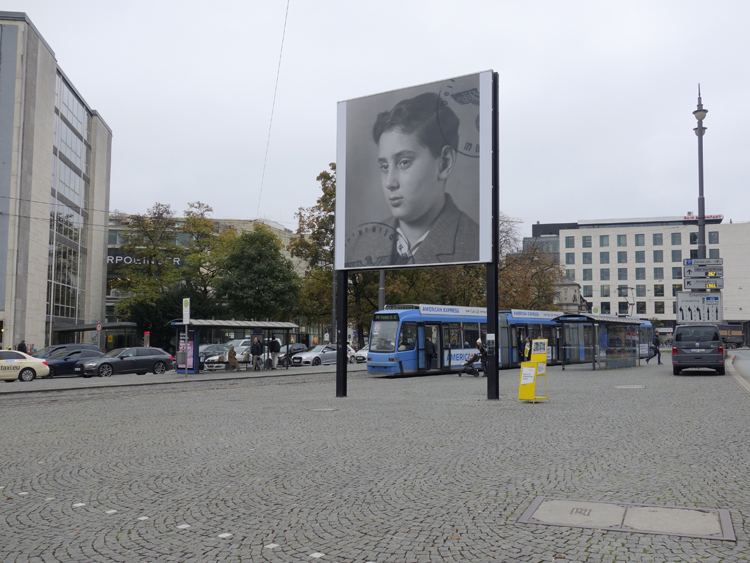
{"x":54,"y":194}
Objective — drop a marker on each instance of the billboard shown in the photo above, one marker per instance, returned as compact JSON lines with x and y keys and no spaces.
{"x":414,"y":176}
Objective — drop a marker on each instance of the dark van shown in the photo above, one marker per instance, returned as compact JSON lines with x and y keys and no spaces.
{"x":697,"y":346}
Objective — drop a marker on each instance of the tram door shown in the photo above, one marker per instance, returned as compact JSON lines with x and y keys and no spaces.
{"x":421,"y":356}
{"x":520,"y":334}
{"x":432,"y":333}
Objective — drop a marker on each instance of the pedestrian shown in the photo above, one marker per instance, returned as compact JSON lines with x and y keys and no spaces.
{"x":527,"y":350}
{"x":275,"y":349}
{"x":429,"y":350}
{"x":22,"y":346}
{"x":232,"y":359}
{"x":482,"y":356}
{"x":257,"y":351}
{"x":655,"y":349}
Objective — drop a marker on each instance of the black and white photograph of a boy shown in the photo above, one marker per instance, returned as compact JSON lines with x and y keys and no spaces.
{"x":415,"y":150}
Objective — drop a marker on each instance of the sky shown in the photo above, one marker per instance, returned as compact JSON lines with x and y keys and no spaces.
{"x":596,"y":98}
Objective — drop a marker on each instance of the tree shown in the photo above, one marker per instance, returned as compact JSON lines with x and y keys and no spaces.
{"x":258,"y":281}
{"x":528,"y":279}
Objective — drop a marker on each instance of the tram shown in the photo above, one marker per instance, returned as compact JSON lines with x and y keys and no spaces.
{"x":401,"y":336}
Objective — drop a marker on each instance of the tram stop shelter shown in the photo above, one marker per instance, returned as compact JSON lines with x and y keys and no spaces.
{"x":209,"y":331}
{"x":610,"y":341}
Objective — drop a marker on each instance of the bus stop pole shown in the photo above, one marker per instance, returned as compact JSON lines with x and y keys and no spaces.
{"x":493,"y":383}
{"x":342,"y":360}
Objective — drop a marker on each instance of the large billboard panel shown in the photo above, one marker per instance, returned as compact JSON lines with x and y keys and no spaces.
{"x":414,"y":176}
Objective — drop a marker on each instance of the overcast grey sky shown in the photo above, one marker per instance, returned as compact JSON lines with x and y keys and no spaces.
{"x":595,"y":97}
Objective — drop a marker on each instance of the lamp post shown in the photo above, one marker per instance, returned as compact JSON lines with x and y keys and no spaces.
{"x":700,"y":115}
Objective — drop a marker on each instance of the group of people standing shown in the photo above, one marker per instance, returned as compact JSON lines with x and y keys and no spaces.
{"x":256,"y":351}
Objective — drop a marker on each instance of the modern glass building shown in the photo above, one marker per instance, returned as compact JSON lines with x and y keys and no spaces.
{"x":54,"y":194}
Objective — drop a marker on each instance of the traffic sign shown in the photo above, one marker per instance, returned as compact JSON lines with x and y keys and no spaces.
{"x":704,"y":283}
{"x":702,"y":261}
{"x":699,"y":307}
{"x":98,"y":327}
{"x":186,"y":311}
{"x":703,"y":271}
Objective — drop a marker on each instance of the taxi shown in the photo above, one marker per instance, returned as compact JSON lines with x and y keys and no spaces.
{"x":17,"y":365}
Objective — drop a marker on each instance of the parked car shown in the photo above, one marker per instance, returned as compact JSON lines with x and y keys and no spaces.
{"x":361,"y":355}
{"x":321,"y":354}
{"x":212,"y":349}
{"x":697,"y":346}
{"x":139,"y":360}
{"x":17,"y":365}
{"x":219,"y":361}
{"x":49,"y":351}
{"x":64,"y":361}
{"x":350,"y":354}
{"x":288,"y":352}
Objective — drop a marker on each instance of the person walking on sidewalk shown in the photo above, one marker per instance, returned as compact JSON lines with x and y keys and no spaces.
{"x":275,"y":348}
{"x":257,"y":351}
{"x":655,"y":349}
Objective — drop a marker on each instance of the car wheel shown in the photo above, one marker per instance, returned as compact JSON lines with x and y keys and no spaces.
{"x":160,"y":367}
{"x":352,"y":359}
{"x":51,"y":372}
{"x":316,"y":361}
{"x":105,"y":370}
{"x":676,"y":371}
{"x":720,"y":371}
{"x":27,"y":374}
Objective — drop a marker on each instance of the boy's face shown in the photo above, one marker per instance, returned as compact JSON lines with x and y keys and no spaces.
{"x":409,"y":176}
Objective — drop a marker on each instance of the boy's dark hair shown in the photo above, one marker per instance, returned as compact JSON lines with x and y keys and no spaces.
{"x":433,"y":122}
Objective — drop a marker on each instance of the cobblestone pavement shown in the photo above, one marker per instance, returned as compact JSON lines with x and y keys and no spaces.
{"x":404,"y":470}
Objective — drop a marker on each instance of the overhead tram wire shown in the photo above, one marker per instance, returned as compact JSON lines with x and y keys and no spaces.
{"x":273,"y":106}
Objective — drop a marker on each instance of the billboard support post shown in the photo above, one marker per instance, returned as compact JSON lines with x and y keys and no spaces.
{"x":493,"y":383}
{"x":341,"y":351}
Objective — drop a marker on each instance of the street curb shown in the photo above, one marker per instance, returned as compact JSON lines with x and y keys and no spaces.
{"x":738,"y":378}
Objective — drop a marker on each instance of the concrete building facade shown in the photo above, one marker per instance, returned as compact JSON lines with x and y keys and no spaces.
{"x":635,"y":266}
{"x":54,"y":193}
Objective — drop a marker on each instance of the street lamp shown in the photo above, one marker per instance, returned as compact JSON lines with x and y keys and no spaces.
{"x":700,"y":115}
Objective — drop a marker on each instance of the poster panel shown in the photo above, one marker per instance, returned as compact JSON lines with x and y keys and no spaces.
{"x":414,"y":176}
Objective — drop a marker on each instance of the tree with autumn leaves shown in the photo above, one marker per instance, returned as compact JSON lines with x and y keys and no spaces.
{"x":527,"y":277}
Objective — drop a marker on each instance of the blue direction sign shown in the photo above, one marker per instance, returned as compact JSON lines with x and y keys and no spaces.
{"x":702,"y":261}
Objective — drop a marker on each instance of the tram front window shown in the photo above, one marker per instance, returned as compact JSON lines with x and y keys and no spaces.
{"x":383,"y":336}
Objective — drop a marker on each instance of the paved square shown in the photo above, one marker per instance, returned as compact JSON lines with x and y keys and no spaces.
{"x":404,"y":470}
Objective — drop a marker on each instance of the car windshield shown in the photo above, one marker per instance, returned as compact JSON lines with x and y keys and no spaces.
{"x":113,"y":353}
{"x":59,"y":353}
{"x":318,"y":348}
{"x":697,"y":334}
{"x":42,"y":353}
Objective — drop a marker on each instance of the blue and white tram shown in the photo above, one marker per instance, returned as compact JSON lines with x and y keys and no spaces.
{"x":401,"y":336}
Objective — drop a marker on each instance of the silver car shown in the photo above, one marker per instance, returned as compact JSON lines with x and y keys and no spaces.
{"x":321,"y":354}
{"x":697,"y":346}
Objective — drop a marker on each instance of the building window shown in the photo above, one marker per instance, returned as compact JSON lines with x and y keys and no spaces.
{"x":604,"y":258}
{"x":713,"y":253}
{"x":675,"y":288}
{"x":588,"y":290}
{"x":640,"y":291}
{"x":640,"y":240}
{"x":677,"y":273}
{"x":622,"y":307}
{"x":693,"y":253}
{"x":674,"y":307}
{"x":658,"y":239}
{"x":658,"y":273}
{"x":640,"y":256}
{"x":570,"y":257}
{"x":588,"y":274}
{"x":586,"y":241}
{"x":604,"y":274}
{"x":659,"y":290}
{"x":659,"y":307}
{"x":587,"y":258}
{"x":622,"y":273}
{"x":570,"y":242}
{"x":605,"y":309}
{"x":622,"y":291}
{"x":604,"y":290}
{"x":622,"y":257}
{"x":676,"y":239}
{"x":640,"y":308}
{"x":622,"y":240}
{"x":677,"y":256}
{"x":693,"y":238}
{"x":570,"y":275}
{"x":640,"y":273}
{"x":603,"y":240}
{"x":713,"y":237}
{"x":658,"y":256}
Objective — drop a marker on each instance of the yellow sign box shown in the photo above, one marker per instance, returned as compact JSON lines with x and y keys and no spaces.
{"x":530,"y":371}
